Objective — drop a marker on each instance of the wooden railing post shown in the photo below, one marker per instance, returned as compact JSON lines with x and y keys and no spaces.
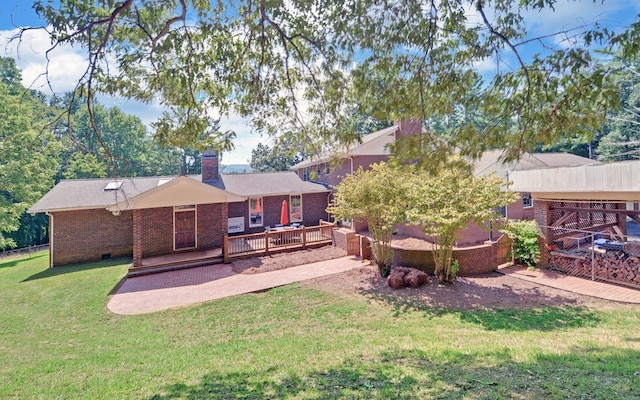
{"x":225,"y":249}
{"x":304,"y":237}
{"x":266,"y":242}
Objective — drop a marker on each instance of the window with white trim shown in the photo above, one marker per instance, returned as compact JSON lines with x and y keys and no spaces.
{"x":527,"y":200}
{"x":295,"y":207}
{"x":255,"y":211}
{"x":306,"y":172}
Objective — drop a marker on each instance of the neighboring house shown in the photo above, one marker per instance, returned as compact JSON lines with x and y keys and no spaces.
{"x":331,"y":167}
{"x":490,"y":163}
{"x":93,"y":219}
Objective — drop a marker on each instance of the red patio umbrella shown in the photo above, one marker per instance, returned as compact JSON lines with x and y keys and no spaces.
{"x":258,"y":207}
{"x":284,"y":213}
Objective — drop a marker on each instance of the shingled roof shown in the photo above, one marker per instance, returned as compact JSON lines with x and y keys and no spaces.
{"x":267,"y":184}
{"x":490,"y":162}
{"x":375,"y":143}
{"x":84,"y":194}
{"x":79,"y":194}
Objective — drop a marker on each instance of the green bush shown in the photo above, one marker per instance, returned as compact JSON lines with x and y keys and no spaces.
{"x":524,"y":236}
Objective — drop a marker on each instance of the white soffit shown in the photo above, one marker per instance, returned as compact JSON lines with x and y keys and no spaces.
{"x":614,"y":181}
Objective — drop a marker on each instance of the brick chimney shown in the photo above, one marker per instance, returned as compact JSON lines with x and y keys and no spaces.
{"x":209,"y":166}
{"x":408,"y":126}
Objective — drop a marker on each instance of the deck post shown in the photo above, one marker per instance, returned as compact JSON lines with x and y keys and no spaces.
{"x":304,"y":237}
{"x":225,"y":249}
{"x":266,"y":242}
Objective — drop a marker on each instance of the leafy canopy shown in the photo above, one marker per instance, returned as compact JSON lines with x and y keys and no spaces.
{"x":379,"y":197}
{"x":28,"y":155}
{"x":297,"y":67}
{"x":444,"y":203}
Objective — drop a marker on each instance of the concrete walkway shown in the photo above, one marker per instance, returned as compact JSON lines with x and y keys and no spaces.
{"x":157,"y":292}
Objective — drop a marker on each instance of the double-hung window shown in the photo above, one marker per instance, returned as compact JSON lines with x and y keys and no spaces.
{"x":255,"y":211}
{"x":527,"y":201}
{"x":295,"y":207}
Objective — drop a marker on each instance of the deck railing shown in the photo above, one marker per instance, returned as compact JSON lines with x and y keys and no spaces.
{"x":274,"y":241}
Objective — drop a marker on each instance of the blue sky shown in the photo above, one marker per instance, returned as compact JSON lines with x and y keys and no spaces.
{"x":67,"y":63}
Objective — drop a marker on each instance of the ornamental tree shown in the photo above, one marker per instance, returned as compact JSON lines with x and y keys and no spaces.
{"x":444,"y":203}
{"x":379,"y":196}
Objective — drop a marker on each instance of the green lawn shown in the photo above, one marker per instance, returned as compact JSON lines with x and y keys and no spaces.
{"x":57,"y":340}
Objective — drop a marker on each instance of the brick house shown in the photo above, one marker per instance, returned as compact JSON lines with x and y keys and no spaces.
{"x":374,"y":148}
{"x":93,"y":219}
{"x":330,"y":168}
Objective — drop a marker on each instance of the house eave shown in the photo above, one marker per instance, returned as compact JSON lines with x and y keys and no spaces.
{"x":64,"y":209}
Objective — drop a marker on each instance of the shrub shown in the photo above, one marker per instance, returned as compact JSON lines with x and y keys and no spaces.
{"x":524,"y":247}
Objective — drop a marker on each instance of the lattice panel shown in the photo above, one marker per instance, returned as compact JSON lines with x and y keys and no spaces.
{"x":568,"y":216}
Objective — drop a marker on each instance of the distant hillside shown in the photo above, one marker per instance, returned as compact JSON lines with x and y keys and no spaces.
{"x":236,"y":169}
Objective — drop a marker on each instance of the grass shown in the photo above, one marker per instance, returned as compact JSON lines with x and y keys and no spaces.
{"x":58,"y":340}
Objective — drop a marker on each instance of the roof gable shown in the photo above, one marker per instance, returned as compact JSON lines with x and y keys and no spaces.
{"x":373,"y":144}
{"x":177,"y":192}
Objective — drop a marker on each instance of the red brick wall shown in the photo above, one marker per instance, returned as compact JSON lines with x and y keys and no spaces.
{"x":473,"y":260}
{"x":212,"y":225}
{"x":337,"y":173}
{"x":87,"y":235}
{"x":314,"y":208}
{"x":157,"y":231}
{"x":419,"y":259}
{"x":239,"y":209}
{"x":157,"y":228}
{"x":209,"y":168}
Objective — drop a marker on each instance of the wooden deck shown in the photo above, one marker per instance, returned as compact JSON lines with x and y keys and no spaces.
{"x":285,"y":239}
{"x":175,"y":261}
{"x":274,"y":241}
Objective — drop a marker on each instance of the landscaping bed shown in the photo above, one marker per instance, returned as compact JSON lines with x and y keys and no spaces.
{"x":256,"y":265}
{"x":484,"y":291}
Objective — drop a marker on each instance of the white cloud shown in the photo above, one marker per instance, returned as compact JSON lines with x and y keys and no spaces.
{"x":486,"y":65}
{"x":65,"y":67}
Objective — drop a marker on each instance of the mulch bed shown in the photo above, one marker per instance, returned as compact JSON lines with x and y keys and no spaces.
{"x":488,"y":291}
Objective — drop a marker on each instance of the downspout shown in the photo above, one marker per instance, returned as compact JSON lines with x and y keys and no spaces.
{"x":506,"y":208}
{"x":328,"y":202}
{"x":50,"y":238}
